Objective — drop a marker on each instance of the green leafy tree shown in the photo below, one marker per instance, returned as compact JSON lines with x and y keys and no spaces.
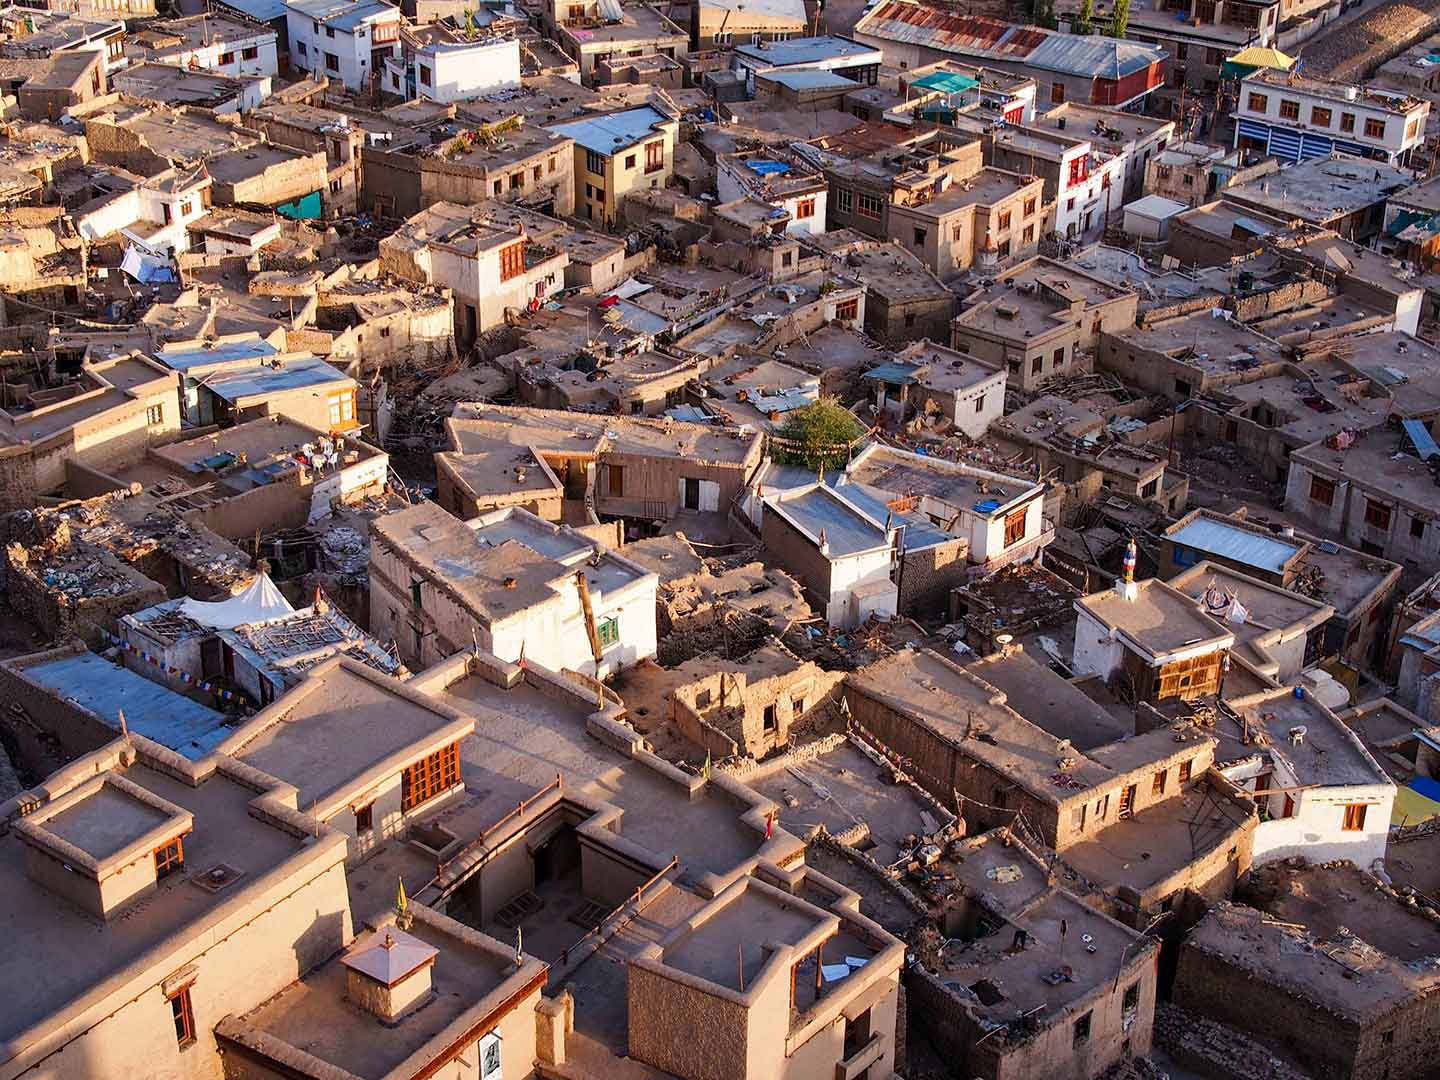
{"x":1085,"y":22}
{"x":818,"y":436}
{"x":1042,"y":13}
{"x":1119,"y":18}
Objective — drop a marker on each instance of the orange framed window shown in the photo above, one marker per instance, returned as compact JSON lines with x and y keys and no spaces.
{"x":429,"y":777}
{"x":169,"y":858}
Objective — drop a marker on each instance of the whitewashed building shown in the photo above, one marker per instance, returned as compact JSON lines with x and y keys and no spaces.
{"x":519,"y":586}
{"x":345,"y":41}
{"x":1327,"y":797}
{"x":1294,"y":117}
{"x":440,"y":64}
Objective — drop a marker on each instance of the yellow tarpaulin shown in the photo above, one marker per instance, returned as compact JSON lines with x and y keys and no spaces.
{"x":1411,"y":807}
{"x":1258,"y":56}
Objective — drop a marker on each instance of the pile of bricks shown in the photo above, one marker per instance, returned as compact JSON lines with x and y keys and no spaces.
{"x":1216,"y":1050}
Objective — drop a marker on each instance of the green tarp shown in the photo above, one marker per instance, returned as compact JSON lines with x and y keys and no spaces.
{"x":947,"y":82}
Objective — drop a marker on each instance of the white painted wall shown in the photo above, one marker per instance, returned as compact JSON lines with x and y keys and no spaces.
{"x":1315,"y":831}
{"x":851,"y":572}
{"x":459,"y":72}
{"x":209,"y":57}
{"x":1095,"y":652}
{"x":309,"y":43}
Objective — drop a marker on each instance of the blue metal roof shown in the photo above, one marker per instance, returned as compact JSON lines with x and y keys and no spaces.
{"x":1237,"y":544}
{"x":340,"y":14}
{"x":259,"y":10}
{"x":613,"y":131}
{"x":259,"y":380}
{"x":151,"y":710}
{"x":183,"y":360}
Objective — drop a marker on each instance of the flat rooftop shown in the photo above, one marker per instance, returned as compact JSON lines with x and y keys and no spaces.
{"x":1321,"y":190}
{"x":342,"y":721}
{"x":1160,"y":619}
{"x":1345,"y":976}
{"x":1329,"y":755}
{"x":842,"y":788}
{"x":900,"y":473}
{"x":580,"y":435}
{"x":150,"y":709}
{"x":258,"y":440}
{"x":1019,"y":983}
{"x":525,"y":736}
{"x":1239,"y":542}
{"x":1145,"y":849}
{"x":45,"y":935}
{"x":1268,"y":608}
{"x":1379,"y":461}
{"x":1050,"y":701}
{"x":315,"y":1015}
{"x":962,"y":707}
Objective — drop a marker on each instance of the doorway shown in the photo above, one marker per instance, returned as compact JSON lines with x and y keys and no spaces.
{"x":692,"y":494}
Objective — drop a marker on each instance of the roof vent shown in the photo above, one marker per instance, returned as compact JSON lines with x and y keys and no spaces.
{"x":390,"y":974}
{"x":220,"y":876}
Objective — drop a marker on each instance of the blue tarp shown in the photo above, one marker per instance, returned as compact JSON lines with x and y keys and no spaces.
{"x":1424,"y":785}
{"x":1421,"y":437}
{"x":151,"y":710}
{"x":766,"y":167}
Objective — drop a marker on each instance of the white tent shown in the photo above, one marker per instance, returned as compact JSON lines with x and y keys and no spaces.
{"x":260,"y":601}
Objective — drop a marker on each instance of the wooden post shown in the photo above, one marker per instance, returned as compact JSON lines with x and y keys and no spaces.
{"x":740,"y":964}
{"x":590,"y":630}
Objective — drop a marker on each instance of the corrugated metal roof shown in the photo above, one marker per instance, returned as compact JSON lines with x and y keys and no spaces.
{"x":811,"y":50}
{"x":975,"y":36}
{"x":612,"y":131}
{"x":185,"y":359}
{"x":1420,"y":436}
{"x":1156,"y":206}
{"x":1236,"y":544}
{"x":293,"y":375}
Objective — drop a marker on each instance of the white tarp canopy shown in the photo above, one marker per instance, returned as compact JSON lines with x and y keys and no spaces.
{"x":260,"y":601}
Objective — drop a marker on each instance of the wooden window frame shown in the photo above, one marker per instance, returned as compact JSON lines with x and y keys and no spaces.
{"x":607,"y":630}
{"x":616,"y":477}
{"x":1289,"y":109}
{"x":1321,"y":116}
{"x":1370,"y":124}
{"x":1015,"y":526}
{"x":1322,"y":490}
{"x":805,"y":208}
{"x":365,"y":819}
{"x":1186,"y":769}
{"x":182,"y":1011}
{"x":1354,"y":817}
{"x":1378,"y":515}
{"x":847,"y":310}
{"x":431,"y":776}
{"x":869,"y":206}
{"x":1347,"y":121}
{"x":512,"y":261}
{"x":170,"y":858}
{"x":654,"y":156}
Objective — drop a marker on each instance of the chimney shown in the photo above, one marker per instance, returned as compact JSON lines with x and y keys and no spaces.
{"x":824,"y":544}
{"x":1125,"y":586}
{"x":389,"y":975}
